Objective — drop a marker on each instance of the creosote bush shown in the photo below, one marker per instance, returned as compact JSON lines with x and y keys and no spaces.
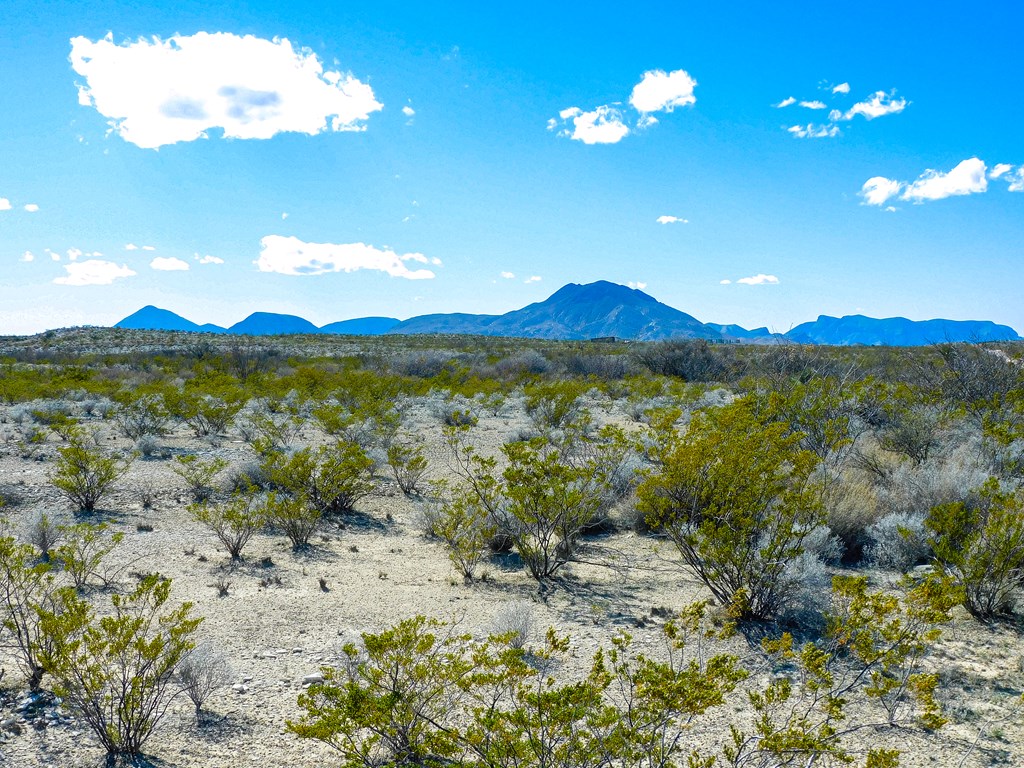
{"x":199,"y":474}
{"x":331,"y":478}
{"x":233,"y":522}
{"x":84,"y":474}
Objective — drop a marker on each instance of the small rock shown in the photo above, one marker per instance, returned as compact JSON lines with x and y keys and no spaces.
{"x":239,"y":688}
{"x":11,"y":724}
{"x":316,"y":677}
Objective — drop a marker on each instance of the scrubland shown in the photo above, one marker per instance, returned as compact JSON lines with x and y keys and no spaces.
{"x":325,"y":551}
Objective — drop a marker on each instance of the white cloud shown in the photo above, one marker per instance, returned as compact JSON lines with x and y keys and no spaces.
{"x":53,"y":256}
{"x":604,"y":125}
{"x":508,"y":275}
{"x":5,"y":204}
{"x":208,"y":259}
{"x":725,"y":282}
{"x":967,"y":178}
{"x":671,"y":220}
{"x":131,"y":247}
{"x":284,"y":216}
{"x":291,"y":256}
{"x":93,"y":272}
{"x":812,"y":131}
{"x":880,"y":103}
{"x":168,"y":264}
{"x":436,"y":261}
{"x":31,"y":207}
{"x":156,"y":92}
{"x":841,"y":88}
{"x":28,"y":256}
{"x":638,"y":286}
{"x":74,"y":253}
{"x":148,"y":248}
{"x":759,"y":280}
{"x":533,"y":279}
{"x":878,"y":189}
{"x":999,"y":169}
{"x":813,"y":104}
{"x":408,"y":111}
{"x":785,"y":103}
{"x":1016,"y":180}
{"x":660,"y":91}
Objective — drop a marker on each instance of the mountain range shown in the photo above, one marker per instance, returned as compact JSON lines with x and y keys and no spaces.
{"x":599,"y":310}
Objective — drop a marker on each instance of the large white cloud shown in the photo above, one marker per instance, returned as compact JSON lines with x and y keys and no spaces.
{"x":967,"y":178}
{"x":604,"y":125}
{"x":291,"y":256}
{"x":168,"y":264}
{"x":5,"y":204}
{"x":93,"y":272}
{"x":660,"y":91}
{"x":158,"y":92}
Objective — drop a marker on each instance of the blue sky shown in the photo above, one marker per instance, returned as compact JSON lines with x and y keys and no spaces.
{"x":383,"y":158}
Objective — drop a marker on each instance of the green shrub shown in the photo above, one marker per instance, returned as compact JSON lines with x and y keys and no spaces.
{"x":408,"y":465}
{"x":735,"y":494}
{"x":293,"y":515}
{"x":199,"y":474}
{"x":26,"y":587}
{"x":331,"y":478}
{"x":233,"y":522}
{"x":981,"y":547}
{"x":117,"y":671}
{"x":84,"y":475}
{"x":83,"y":551}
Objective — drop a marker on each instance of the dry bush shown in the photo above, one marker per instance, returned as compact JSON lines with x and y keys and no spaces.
{"x":897,"y":541}
{"x":201,"y":673}
{"x":851,"y":506}
{"x":516,"y":619}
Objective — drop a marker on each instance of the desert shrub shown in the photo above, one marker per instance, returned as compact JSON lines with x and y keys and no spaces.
{"x":897,"y":541}
{"x":736,"y":496}
{"x":689,"y":360}
{"x":331,"y":478}
{"x":143,"y":416}
{"x":268,"y":424}
{"x":207,"y":403}
{"x":466,"y":528}
{"x":452,"y":409}
{"x":117,"y":671}
{"x":83,"y":551}
{"x":553,"y":404}
{"x":149,"y":447}
{"x":27,"y":586}
{"x":514,"y":619}
{"x":201,"y":673}
{"x":824,"y":545}
{"x":44,"y":534}
{"x":233,"y":522}
{"x":248,"y":477}
{"x":408,"y":465}
{"x":981,"y":547}
{"x":528,"y":362}
{"x":604,"y":367}
{"x":84,"y":475}
{"x":294,"y":516}
{"x":199,"y":474}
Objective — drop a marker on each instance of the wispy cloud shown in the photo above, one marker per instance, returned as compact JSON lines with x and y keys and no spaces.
{"x":28,"y":256}
{"x":878,"y":104}
{"x":760,"y":279}
{"x":812,"y":131}
{"x":999,"y":169}
{"x":156,"y":92}
{"x":785,"y":103}
{"x":292,"y":256}
{"x":508,"y":275}
{"x":168,"y":264}
{"x":813,"y":104}
{"x":93,"y":272}
{"x":31,"y":207}
{"x":533,"y":279}
{"x":208,"y":259}
{"x":638,"y":286}
{"x":967,"y":178}
{"x":841,"y":88}
{"x":671,"y":220}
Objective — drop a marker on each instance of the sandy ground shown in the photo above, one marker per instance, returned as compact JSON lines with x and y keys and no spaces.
{"x":379,"y":569}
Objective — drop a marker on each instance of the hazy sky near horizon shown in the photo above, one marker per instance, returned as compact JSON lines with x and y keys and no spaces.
{"x":752,"y":163}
